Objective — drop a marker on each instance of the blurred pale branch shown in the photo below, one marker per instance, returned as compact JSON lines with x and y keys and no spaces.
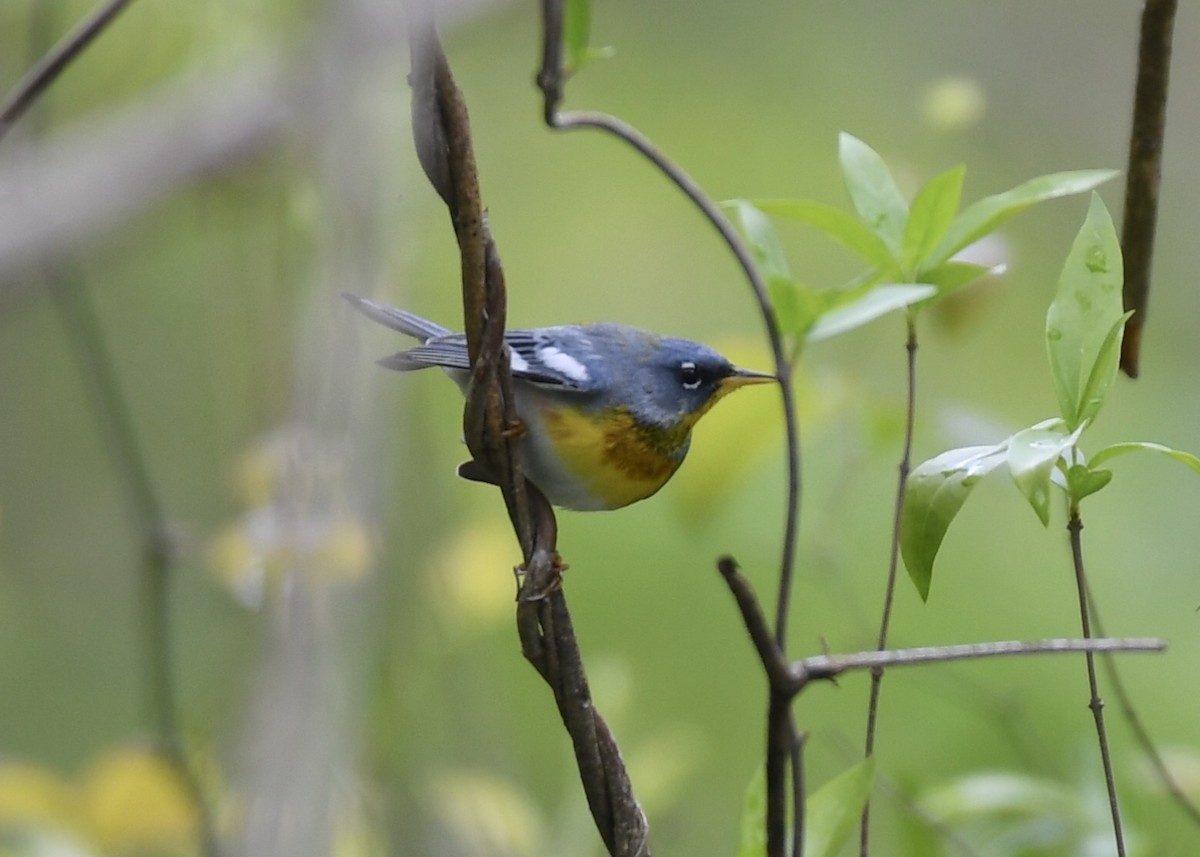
{"x":89,"y":179}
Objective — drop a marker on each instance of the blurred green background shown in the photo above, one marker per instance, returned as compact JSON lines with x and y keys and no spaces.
{"x":255,"y":400}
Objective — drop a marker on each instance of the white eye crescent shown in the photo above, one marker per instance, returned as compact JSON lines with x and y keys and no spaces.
{"x":689,"y":375}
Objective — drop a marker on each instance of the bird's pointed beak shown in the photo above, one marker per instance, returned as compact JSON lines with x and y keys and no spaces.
{"x":744,"y":378}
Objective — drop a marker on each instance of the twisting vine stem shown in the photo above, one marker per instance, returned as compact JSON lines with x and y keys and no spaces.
{"x":442,"y":136}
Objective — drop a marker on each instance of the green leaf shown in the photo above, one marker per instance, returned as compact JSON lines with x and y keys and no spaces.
{"x":1083,"y":481}
{"x":761,"y":237}
{"x":1104,"y":371}
{"x":874,"y":193}
{"x":1111,"y":452}
{"x":1015,"y":798}
{"x":1084,"y":314}
{"x":932,"y":213}
{"x":1032,"y":454}
{"x":949,"y":277}
{"x":577,"y":33}
{"x":837,"y":224}
{"x":832,"y":813}
{"x":752,"y":835}
{"x":933,"y":495}
{"x":868,"y":306}
{"x":982,"y":217}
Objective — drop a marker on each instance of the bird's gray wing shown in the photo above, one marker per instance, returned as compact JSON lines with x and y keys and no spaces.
{"x":527,"y":360}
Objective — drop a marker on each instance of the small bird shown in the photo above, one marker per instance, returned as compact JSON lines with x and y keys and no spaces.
{"x":607,"y":409}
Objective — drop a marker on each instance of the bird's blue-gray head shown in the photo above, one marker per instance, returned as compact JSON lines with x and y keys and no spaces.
{"x":663,"y":381}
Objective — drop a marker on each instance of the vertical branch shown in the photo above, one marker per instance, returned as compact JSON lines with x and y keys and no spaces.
{"x":910,"y":347}
{"x":1144,"y":170}
{"x":1095,"y":703}
{"x":441,"y":131}
{"x":81,"y":328}
{"x":82,"y":331}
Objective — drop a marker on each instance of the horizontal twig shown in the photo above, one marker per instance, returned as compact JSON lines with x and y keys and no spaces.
{"x":830,"y":666}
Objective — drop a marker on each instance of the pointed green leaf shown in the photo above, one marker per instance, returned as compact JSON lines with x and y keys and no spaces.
{"x":950,"y":277}
{"x":832,"y":813}
{"x":577,"y":33}
{"x":752,"y":834}
{"x":763,"y":240}
{"x":933,"y":494}
{"x":984,"y":216}
{"x":868,"y":306}
{"x":1014,"y":798}
{"x":873,"y":191}
{"x":1032,"y":455}
{"x":1104,"y":371}
{"x":1111,"y":452}
{"x":798,"y":307}
{"x":837,"y":224}
{"x":1085,"y":310}
{"x":1083,"y":481}
{"x":932,"y":213}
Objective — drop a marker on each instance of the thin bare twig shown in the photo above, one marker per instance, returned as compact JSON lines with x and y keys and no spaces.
{"x":824,"y":667}
{"x":46,"y":70}
{"x":82,"y":331}
{"x":1144,"y":170}
{"x":783,"y":738}
{"x":1095,"y":703}
{"x":442,"y":136}
{"x":88,"y":180}
{"x":910,"y":348}
{"x":1134,"y":719}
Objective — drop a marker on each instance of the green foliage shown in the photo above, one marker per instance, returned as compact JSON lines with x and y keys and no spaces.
{"x":577,"y":34}
{"x":752,"y":834}
{"x":874,"y":193}
{"x":986,"y":215}
{"x":935,"y":491}
{"x":1014,"y":814}
{"x":831,"y":813}
{"x":1084,"y":326}
{"x":908,"y":250}
{"x":932,"y":213}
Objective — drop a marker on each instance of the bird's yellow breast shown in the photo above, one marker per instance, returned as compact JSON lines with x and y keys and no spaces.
{"x":619,"y":461}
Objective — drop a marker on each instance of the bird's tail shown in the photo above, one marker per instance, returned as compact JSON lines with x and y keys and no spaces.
{"x":421,"y":329}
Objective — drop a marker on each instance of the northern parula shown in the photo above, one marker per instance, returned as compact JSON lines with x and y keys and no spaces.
{"x":607,"y":409}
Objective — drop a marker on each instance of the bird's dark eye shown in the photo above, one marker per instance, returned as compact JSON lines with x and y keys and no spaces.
{"x":689,"y":375}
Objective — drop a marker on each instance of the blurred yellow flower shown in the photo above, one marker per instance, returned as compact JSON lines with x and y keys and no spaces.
{"x":473,"y":583}
{"x":31,"y":796}
{"x":953,"y":103}
{"x":128,"y":802}
{"x":486,"y":816}
{"x":134,"y":801}
{"x":296,"y":520}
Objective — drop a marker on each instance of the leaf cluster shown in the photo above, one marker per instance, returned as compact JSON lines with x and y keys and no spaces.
{"x":1084,"y":327}
{"x":910,"y":250}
